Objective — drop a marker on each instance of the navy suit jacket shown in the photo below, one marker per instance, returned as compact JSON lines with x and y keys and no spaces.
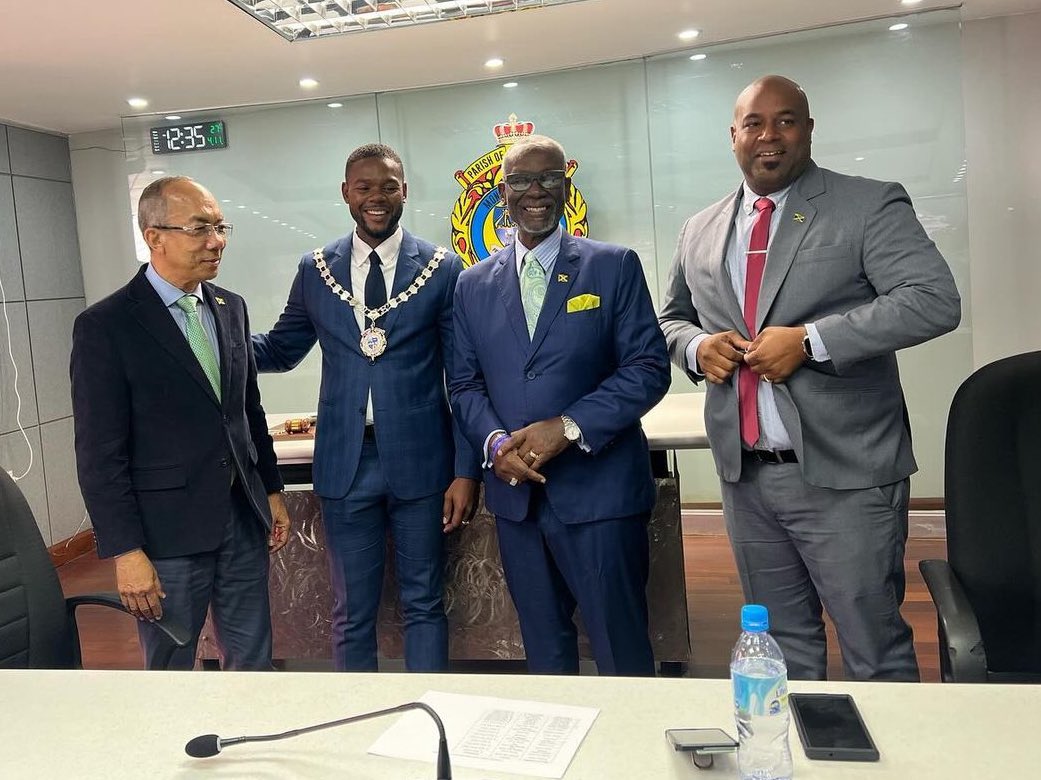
{"x":603,"y":365}
{"x":155,"y":449}
{"x":420,"y":450}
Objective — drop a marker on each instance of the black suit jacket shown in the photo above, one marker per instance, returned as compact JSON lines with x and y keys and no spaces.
{"x":156,"y":451}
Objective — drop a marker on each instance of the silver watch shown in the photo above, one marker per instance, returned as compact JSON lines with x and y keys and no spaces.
{"x":571,"y":430}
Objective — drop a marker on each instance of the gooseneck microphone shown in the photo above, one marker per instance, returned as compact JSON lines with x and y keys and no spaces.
{"x":210,"y":744}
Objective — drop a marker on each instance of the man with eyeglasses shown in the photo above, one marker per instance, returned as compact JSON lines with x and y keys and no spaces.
{"x":175,"y":463}
{"x":387,"y":456}
{"x":558,"y":356}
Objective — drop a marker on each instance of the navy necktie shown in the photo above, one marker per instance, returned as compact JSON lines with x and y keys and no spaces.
{"x":375,"y":286}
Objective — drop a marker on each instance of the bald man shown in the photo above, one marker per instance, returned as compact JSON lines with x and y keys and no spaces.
{"x":790,"y":297}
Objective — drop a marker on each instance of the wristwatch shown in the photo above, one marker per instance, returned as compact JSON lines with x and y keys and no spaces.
{"x":807,"y":346}
{"x":571,"y":430}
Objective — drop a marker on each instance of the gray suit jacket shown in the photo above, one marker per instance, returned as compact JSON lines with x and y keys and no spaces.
{"x":850,"y":256}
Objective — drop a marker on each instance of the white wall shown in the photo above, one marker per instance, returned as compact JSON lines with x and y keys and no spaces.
{"x":1002,"y":96}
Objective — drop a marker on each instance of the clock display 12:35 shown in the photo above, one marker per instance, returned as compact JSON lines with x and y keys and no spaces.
{"x":195,"y":137}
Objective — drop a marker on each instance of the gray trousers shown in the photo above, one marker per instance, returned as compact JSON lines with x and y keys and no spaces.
{"x":233,"y":581}
{"x":798,"y":546}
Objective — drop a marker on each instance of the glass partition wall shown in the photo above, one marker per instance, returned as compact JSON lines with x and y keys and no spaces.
{"x":651,"y":142}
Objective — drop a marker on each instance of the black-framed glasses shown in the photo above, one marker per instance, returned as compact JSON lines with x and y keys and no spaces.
{"x":221,"y":229}
{"x":548,"y":180}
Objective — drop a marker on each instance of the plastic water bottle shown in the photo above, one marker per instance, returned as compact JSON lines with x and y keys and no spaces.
{"x":760,"y":681}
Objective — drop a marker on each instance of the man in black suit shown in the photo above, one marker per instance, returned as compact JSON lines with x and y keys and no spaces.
{"x":175,"y":463}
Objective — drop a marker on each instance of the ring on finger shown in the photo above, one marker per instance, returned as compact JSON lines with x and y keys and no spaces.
{"x":513,"y":482}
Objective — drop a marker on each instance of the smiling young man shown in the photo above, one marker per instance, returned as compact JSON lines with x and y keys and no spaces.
{"x":558,"y":356}
{"x":791,"y":297}
{"x":386,"y":457}
{"x":175,"y":463}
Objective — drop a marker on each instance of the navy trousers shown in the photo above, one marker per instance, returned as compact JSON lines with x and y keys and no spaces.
{"x":601,"y":567}
{"x":232,"y":581}
{"x":356,"y":528}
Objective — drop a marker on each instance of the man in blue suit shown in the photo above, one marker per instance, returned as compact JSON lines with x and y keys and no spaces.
{"x":557,"y":343}
{"x":387,"y":455}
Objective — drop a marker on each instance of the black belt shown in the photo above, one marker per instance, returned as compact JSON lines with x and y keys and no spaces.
{"x":771,"y":456}
{"x":370,"y":433}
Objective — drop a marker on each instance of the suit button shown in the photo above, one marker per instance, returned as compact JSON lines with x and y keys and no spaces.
{"x":227,"y":419}
{"x":223,"y":463}
{"x":531,"y":375}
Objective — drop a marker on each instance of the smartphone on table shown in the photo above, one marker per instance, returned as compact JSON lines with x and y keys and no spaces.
{"x":701,"y":740}
{"x":830,"y":727}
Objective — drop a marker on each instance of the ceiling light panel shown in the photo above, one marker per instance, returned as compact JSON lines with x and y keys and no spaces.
{"x":300,"y":20}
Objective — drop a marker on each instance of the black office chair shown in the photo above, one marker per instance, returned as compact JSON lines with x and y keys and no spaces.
{"x":37,"y":623}
{"x":988,"y":592}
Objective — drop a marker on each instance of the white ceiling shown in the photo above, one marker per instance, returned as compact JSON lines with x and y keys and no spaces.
{"x":69,"y":66}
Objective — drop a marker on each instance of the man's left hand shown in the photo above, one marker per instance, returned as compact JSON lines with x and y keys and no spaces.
{"x":776,"y":353}
{"x":539,"y":443}
{"x":460,"y":503}
{"x":279,"y":525}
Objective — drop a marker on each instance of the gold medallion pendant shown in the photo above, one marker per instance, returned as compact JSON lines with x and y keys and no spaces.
{"x":373,"y":342}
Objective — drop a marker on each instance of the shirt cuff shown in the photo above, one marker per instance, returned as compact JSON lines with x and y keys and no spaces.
{"x":488,"y":448}
{"x":820,"y":352}
{"x":692,"y":353}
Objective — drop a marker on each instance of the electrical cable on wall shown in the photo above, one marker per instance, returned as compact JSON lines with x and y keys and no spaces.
{"x":18,"y":396}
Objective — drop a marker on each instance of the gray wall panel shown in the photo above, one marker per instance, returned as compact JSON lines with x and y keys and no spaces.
{"x":39,"y":154}
{"x":64,"y":502}
{"x":19,"y":344}
{"x":15,"y":457}
{"x":5,"y":163}
{"x":48,"y":239}
{"x":10,"y":264}
{"x":50,"y":332}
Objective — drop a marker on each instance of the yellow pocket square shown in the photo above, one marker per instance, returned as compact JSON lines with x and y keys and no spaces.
{"x":583,"y":303}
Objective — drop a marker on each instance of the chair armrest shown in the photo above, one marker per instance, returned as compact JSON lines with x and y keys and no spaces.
{"x":178,"y":635}
{"x":963,"y":658}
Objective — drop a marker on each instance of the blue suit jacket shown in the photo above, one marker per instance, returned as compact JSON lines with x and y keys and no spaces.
{"x":604,"y":366}
{"x":412,"y":418}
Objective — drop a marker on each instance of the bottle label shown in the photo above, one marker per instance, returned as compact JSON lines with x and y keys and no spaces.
{"x":756,"y":696}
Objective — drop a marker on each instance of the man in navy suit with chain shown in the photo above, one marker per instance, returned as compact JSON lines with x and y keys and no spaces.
{"x":558,"y":356}
{"x":387,"y":455}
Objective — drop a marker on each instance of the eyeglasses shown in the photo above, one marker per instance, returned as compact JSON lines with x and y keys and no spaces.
{"x":222,"y":229}
{"x":548,"y":180}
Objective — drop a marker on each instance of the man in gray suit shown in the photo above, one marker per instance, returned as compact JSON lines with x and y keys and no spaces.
{"x":804,"y":409}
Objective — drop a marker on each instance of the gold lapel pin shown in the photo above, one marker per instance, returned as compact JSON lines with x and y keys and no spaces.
{"x":562,"y":277}
{"x":799,"y":217}
{"x":219,"y":300}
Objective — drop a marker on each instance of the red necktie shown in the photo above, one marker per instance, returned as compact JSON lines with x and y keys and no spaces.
{"x":747,"y":380}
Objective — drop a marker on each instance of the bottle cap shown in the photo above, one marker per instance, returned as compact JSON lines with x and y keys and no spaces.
{"x":755,"y":618}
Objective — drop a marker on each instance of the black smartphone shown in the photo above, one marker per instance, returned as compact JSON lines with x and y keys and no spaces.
{"x":701,"y":740}
{"x":830,"y":727}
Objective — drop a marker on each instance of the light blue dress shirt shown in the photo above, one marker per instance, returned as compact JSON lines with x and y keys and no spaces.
{"x":772,"y":433}
{"x":171,"y":294}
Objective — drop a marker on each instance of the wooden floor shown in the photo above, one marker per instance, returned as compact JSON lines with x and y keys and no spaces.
{"x":109,"y":639}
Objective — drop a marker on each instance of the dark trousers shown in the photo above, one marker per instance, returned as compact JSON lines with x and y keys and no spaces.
{"x":601,"y":566}
{"x":799,"y":547}
{"x":232,"y":581}
{"x":356,"y":528}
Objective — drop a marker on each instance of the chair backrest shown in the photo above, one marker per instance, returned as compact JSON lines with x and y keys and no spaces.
{"x":993,"y":504}
{"x":34,"y":627}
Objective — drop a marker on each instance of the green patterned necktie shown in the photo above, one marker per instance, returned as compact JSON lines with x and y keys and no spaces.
{"x":533,"y":290}
{"x":198,"y":341}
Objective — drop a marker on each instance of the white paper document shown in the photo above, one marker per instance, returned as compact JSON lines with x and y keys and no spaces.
{"x":484,"y":732}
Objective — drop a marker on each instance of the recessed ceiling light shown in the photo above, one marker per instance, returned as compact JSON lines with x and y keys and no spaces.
{"x":137,"y":103}
{"x":898,"y":26}
{"x":172,"y":117}
{"x":225,"y":200}
{"x":509,"y":85}
{"x":910,"y":2}
{"x":334,"y":105}
{"x":688,"y":35}
{"x":858,"y":159}
{"x":494,"y":62}
{"x":308,"y":83}
{"x":698,"y":57}
{"x":158,"y":173}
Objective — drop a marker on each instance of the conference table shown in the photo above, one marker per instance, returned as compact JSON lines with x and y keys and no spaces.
{"x":101,"y":724}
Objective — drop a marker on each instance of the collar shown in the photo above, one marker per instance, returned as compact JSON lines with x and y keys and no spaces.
{"x":748,"y":198}
{"x":545,"y":251}
{"x":169,"y":293}
{"x":388,"y":250}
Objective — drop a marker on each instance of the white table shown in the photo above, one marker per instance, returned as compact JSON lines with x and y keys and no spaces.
{"x":676,"y":423}
{"x":112,"y":725}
